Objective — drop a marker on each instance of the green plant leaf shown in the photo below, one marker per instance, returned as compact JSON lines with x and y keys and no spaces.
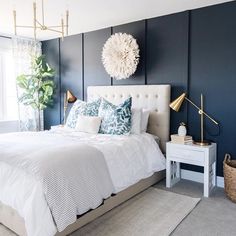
{"x":37,"y":89}
{"x":22,"y":81}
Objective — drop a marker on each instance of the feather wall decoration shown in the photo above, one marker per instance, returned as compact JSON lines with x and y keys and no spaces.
{"x":120,"y":55}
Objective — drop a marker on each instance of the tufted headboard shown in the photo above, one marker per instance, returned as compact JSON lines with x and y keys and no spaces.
{"x":153,"y":97}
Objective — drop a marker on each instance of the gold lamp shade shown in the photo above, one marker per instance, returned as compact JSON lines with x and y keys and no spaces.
{"x":70,"y":97}
{"x":176,"y":104}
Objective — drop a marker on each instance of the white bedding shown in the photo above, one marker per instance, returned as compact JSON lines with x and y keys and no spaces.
{"x":129,"y":159}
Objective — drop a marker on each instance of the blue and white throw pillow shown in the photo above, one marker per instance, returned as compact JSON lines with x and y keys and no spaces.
{"x":84,"y":109}
{"x":116,"y":120}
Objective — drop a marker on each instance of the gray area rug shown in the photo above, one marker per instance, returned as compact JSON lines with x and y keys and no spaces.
{"x":152,"y":212}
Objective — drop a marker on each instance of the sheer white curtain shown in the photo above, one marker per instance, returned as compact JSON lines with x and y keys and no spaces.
{"x":23,"y":52}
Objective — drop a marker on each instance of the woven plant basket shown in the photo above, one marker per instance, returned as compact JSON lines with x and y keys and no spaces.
{"x":230,"y":177}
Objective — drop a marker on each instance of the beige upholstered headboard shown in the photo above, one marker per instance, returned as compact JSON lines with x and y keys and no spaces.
{"x":153,"y":97}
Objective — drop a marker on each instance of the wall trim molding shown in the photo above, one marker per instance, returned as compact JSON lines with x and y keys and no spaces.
{"x":82,"y":60}
{"x":198,"y":177}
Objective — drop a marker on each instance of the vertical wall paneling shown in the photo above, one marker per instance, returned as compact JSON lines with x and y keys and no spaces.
{"x":71,"y":67}
{"x":146,"y":35}
{"x":137,"y":30}
{"x":167,"y":57}
{"x":94,"y":72}
{"x":186,"y":166}
{"x":51,"y":49}
{"x":112,"y":80}
{"x":193,"y":51}
{"x":213,"y":73}
{"x":83,"y":66}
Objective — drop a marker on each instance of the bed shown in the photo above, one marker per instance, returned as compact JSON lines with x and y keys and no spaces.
{"x":153,"y":97}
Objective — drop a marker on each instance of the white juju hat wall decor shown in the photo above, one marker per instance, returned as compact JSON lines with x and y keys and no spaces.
{"x":120,"y":55}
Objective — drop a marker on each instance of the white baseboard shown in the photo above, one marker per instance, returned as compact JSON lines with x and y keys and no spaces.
{"x":198,"y":177}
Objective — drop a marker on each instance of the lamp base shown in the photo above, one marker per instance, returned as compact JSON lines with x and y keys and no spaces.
{"x":202,"y":143}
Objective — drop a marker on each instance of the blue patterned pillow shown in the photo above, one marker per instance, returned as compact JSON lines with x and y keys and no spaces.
{"x":115,"y":119}
{"x":82,"y":108}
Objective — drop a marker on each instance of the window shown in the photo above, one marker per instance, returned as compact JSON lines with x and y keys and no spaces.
{"x":8,"y":94}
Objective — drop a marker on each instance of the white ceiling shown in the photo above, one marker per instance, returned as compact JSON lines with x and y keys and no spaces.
{"x":88,"y":15}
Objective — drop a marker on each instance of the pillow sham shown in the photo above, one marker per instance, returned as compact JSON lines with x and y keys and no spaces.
{"x":136,"y":121}
{"x":116,"y":120}
{"x":88,"y":124}
{"x":82,"y":108}
{"x":144,"y":119}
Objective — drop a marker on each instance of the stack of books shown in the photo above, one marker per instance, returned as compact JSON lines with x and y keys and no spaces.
{"x":175,"y":138}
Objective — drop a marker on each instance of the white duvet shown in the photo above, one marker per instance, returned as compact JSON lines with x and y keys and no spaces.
{"x":128,"y":158}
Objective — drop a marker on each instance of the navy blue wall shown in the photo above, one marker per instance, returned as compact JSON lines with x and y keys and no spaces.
{"x":71,"y":69}
{"x":52,"y":115}
{"x":167,"y":57}
{"x":213,"y":72}
{"x":94,"y":73}
{"x":194,"y":51}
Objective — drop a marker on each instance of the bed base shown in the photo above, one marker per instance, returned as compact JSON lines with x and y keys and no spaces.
{"x":12,"y":220}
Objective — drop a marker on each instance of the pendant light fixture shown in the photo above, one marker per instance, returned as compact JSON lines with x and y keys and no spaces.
{"x":61,"y":28}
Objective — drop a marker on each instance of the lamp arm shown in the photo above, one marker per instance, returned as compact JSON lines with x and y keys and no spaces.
{"x":201,"y":111}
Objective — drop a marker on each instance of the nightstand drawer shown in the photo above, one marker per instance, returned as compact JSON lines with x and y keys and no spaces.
{"x":191,"y":155}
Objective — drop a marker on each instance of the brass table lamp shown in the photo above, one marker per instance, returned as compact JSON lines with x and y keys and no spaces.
{"x":176,"y":104}
{"x":68,"y":98}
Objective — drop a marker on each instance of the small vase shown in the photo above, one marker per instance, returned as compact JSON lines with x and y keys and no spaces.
{"x":182,"y":131}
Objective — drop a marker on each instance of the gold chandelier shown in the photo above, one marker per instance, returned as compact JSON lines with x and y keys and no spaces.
{"x":37,"y":25}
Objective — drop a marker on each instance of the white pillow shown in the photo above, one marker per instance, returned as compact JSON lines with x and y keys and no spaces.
{"x":144,"y":119}
{"x":88,"y":124}
{"x":136,"y":121}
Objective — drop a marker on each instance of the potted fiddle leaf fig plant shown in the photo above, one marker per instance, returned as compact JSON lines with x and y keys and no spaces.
{"x":38,"y":87}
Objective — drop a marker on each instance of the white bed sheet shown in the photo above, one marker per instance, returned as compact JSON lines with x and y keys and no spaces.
{"x":129,"y":159}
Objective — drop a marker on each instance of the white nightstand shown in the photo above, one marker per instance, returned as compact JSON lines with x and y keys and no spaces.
{"x":191,"y":154}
